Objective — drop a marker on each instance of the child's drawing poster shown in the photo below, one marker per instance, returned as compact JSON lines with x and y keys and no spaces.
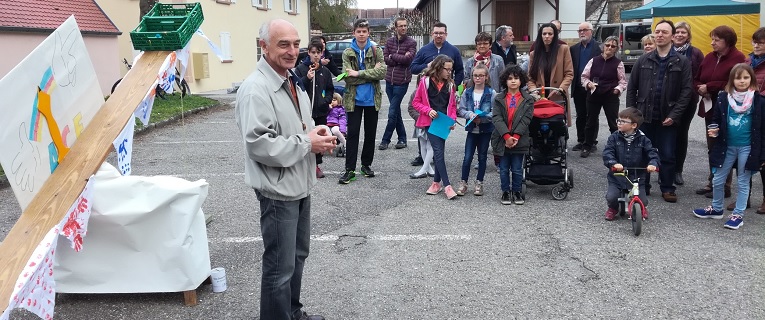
{"x":46,"y":101}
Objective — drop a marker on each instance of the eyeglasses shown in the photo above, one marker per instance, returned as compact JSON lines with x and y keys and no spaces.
{"x":479,"y":76}
{"x":448,"y":69}
{"x":758,"y":43}
{"x":482,"y":44}
{"x":402,"y":26}
{"x":583,"y":30}
{"x":439,"y":33}
{"x":609,"y":45}
{"x":620,"y":121}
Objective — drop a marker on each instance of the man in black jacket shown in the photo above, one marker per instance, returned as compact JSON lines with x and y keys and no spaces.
{"x":317,"y":81}
{"x":660,"y":87}
{"x":581,"y":53}
{"x":504,"y":46}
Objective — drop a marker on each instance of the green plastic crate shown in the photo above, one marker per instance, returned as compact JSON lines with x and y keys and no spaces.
{"x":167,"y":27}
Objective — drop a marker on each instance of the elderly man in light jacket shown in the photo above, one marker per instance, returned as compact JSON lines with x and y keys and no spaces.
{"x":273,"y":112}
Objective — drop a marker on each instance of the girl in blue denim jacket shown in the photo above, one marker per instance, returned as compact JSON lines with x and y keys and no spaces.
{"x":477,"y":97}
{"x":738,"y":137}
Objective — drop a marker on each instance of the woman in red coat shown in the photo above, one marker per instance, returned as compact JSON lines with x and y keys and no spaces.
{"x":711,"y":79}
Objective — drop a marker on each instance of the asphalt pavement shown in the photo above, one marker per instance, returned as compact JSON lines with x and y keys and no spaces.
{"x":383,"y":249}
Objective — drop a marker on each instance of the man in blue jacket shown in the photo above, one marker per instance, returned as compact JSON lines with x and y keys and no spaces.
{"x":439,"y":45}
{"x":428,"y":52}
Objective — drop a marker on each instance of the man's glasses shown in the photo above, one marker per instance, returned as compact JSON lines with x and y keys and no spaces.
{"x":758,"y":43}
{"x":583,"y":30}
{"x":439,"y":33}
{"x":620,"y":121}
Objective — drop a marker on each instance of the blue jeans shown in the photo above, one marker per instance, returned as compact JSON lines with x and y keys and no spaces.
{"x":479,"y":141}
{"x":511,"y":162}
{"x":395,"y":94}
{"x":664,"y":139}
{"x":737,"y":156}
{"x":286,"y":230}
{"x":439,"y":147}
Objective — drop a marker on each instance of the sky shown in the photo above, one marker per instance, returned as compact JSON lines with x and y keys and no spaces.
{"x":381,"y":4}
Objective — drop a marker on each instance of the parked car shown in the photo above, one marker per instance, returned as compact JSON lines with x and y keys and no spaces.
{"x":336,"y":48}
{"x":629,"y":34}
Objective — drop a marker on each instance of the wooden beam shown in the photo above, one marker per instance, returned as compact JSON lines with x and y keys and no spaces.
{"x":62,"y":188}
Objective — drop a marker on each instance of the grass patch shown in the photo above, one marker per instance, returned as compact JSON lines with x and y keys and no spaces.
{"x":173,"y":106}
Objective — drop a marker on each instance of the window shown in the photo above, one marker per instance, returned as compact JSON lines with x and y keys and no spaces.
{"x":291,"y":6}
{"x":262,"y":4}
{"x":225,"y":46}
{"x":258,"y":51}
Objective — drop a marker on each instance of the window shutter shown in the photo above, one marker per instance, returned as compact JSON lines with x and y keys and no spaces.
{"x":225,"y":45}
{"x":270,"y":4}
{"x":297,"y":8}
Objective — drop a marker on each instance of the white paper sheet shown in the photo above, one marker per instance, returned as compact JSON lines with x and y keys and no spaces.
{"x":146,"y":234}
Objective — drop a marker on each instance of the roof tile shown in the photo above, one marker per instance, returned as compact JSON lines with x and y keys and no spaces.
{"x":49,"y":14}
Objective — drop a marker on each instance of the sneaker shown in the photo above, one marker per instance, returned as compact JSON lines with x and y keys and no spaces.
{"x":367,"y":171}
{"x":577,"y":147}
{"x":669,"y":197}
{"x":449,"y":191}
{"x":708,"y":213}
{"x":610,"y":214}
{"x":306,"y":316}
{"x":348,"y":176}
{"x":585,"y":153}
{"x":383,"y":146}
{"x":735,"y":222}
{"x":518,"y":198}
{"x":461,"y":188}
{"x":506,"y":198}
{"x":417,"y":162}
{"x":478,"y":188}
{"x":319,"y":173}
{"x":401,"y":145}
{"x":703,"y":191}
{"x":435,"y":188}
{"x":594,"y":148}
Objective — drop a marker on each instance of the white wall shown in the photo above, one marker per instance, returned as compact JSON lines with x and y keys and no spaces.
{"x":461,"y":18}
{"x":571,"y":14}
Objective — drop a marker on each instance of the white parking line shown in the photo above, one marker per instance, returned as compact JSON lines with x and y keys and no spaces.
{"x":389,"y":237}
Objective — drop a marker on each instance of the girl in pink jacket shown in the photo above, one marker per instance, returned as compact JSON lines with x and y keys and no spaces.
{"x":434,"y":97}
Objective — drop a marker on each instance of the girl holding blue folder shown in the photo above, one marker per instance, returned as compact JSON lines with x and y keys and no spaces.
{"x":475,"y":106}
{"x":436,"y":95}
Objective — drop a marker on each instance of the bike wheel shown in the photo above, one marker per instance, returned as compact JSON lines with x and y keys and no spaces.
{"x":637,"y":218}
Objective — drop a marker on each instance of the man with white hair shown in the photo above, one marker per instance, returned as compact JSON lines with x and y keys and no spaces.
{"x":581,"y":53}
{"x":273,"y":112}
{"x":503,"y":46}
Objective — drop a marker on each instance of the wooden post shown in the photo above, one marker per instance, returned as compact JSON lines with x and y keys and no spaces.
{"x":62,"y":188}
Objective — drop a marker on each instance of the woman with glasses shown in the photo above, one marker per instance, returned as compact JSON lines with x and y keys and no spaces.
{"x":605,"y":80}
{"x":682,"y":44}
{"x":712,"y":77}
{"x":484,"y":56}
{"x":756,"y":60}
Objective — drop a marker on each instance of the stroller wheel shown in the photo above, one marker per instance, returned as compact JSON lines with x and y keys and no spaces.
{"x":570,"y":178}
{"x":559,"y":192}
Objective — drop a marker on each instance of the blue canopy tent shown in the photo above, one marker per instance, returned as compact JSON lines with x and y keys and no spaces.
{"x":703,"y":16}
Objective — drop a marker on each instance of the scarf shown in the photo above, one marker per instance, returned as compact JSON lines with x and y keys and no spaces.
{"x":485,"y":58}
{"x":755,"y":60}
{"x":744,"y":98}
{"x":630,"y":137}
{"x":683,"y":48}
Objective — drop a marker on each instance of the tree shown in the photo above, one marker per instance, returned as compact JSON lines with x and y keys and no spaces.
{"x":419,"y":23}
{"x":331,"y":16}
{"x":145,"y":6}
